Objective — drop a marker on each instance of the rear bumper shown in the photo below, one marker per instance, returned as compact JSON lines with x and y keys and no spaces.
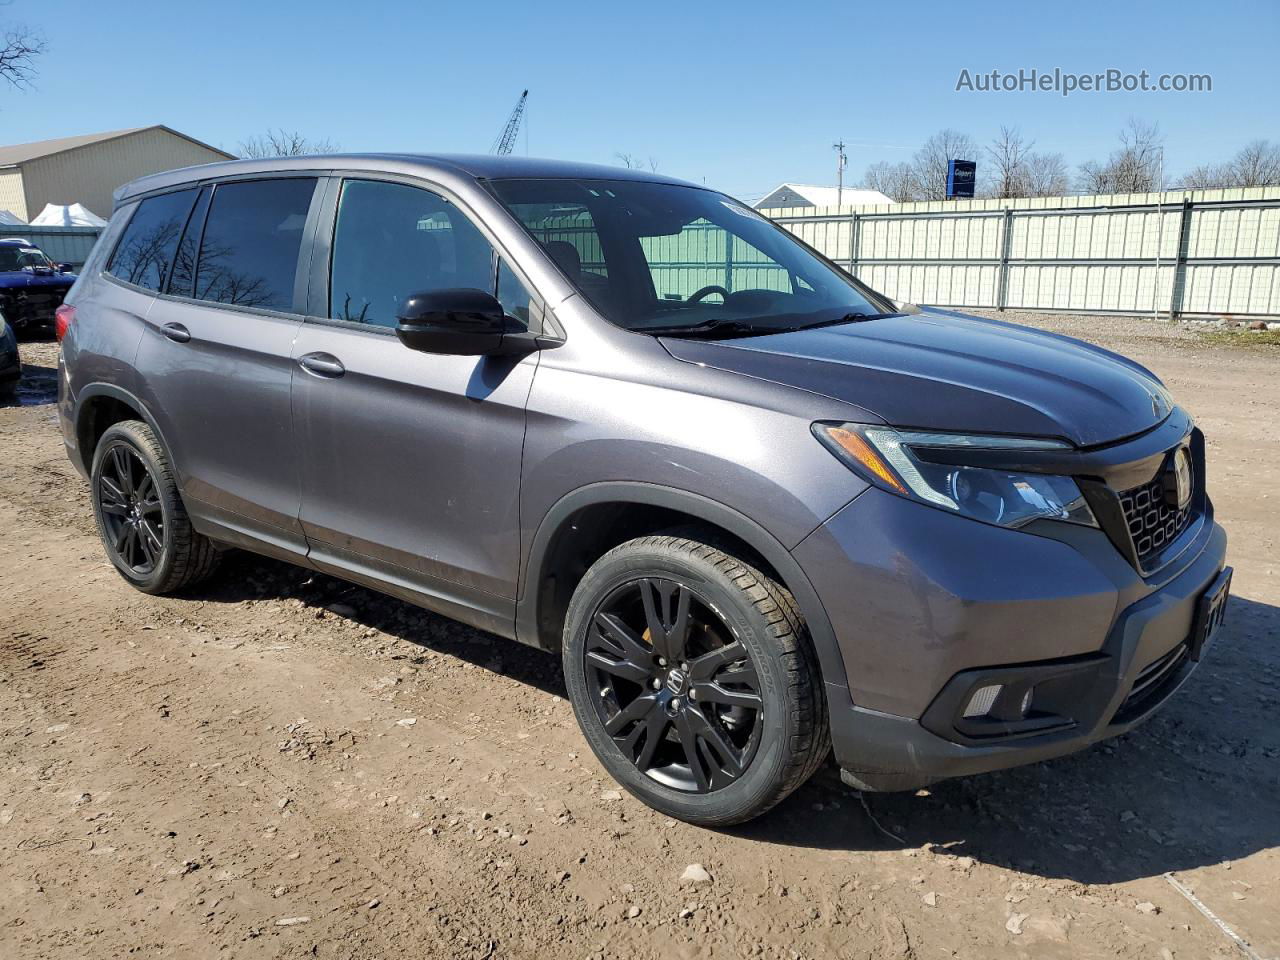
{"x":923,"y":626}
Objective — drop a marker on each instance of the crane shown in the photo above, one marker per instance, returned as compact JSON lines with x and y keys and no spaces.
{"x":507,"y":139}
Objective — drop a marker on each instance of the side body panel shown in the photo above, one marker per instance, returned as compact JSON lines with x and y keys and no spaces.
{"x":411,"y":461}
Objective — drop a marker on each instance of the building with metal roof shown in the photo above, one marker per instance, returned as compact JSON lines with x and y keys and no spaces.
{"x":788,"y":195}
{"x":86,"y":169}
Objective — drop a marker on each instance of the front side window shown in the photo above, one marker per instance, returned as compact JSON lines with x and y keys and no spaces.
{"x":391,"y":240}
{"x":249,"y":253}
{"x":145,"y":252}
{"x":667,"y":258}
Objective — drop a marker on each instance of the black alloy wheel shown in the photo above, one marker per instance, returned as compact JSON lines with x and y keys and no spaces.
{"x":673,"y":686}
{"x":132,"y":515}
{"x":140,"y":515}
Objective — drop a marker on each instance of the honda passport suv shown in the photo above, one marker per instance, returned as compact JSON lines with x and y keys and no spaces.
{"x":759,"y":510}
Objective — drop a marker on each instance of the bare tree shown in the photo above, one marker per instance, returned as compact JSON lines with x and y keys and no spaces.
{"x":1046,"y":175}
{"x":895,"y":180}
{"x":18,"y":52}
{"x":282,"y":143}
{"x":633,"y":162}
{"x":1134,"y":168}
{"x":1208,"y":176}
{"x":1009,"y":153}
{"x":929,"y":165}
{"x":1257,"y":165}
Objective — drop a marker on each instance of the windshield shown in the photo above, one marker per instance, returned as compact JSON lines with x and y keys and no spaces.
{"x":14,"y":257}
{"x":666,"y":258}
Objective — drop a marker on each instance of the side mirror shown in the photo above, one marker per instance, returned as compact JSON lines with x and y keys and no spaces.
{"x":62,"y":267}
{"x":903,"y":306}
{"x":460,"y":322}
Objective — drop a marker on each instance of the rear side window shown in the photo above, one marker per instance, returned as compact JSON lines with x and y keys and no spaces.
{"x":249,"y":253}
{"x":182,"y":277}
{"x":146,"y":249}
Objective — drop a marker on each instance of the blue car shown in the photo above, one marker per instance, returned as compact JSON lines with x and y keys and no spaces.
{"x":31,"y":285}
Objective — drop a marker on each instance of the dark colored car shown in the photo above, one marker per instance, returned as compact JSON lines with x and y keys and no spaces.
{"x":10,"y":365}
{"x":31,"y":285}
{"x":759,"y":510}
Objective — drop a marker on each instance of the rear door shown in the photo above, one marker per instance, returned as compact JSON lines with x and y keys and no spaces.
{"x":410,"y":461}
{"x":216,"y":358}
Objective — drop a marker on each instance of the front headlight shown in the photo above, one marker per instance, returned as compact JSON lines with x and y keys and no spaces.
{"x":889,"y":458}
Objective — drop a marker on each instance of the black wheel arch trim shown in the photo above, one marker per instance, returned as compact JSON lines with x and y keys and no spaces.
{"x":81,"y":407}
{"x":830,"y":659}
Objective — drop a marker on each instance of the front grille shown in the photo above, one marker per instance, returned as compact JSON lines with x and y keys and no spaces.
{"x":1153,"y":522}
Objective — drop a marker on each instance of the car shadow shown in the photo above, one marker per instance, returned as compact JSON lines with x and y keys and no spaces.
{"x":39,"y":385}
{"x":1193,"y":786}
{"x":246,"y":576}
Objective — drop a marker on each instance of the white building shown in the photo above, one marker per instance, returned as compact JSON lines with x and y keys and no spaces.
{"x":789,"y":195}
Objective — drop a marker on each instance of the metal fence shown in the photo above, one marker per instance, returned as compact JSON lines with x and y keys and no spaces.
{"x":61,"y":244}
{"x":1180,"y":254}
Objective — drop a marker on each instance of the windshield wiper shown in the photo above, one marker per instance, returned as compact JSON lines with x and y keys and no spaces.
{"x":716,"y":327}
{"x":847,"y":318}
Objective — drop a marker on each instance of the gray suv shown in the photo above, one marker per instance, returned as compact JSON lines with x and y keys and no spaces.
{"x":759,"y":510}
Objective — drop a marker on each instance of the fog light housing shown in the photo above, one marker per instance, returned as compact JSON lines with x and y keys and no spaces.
{"x":983,"y":699}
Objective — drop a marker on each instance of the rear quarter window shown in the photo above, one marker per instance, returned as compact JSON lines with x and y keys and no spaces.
{"x":144,"y":254}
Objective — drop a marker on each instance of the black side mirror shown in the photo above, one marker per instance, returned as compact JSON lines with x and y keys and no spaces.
{"x":62,"y":267}
{"x":461,"y":322}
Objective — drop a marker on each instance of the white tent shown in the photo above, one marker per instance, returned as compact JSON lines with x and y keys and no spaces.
{"x":11,"y":219}
{"x":71,"y":215}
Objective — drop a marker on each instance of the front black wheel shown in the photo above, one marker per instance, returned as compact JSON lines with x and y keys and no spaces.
{"x":694,"y":680}
{"x":141,"y":519}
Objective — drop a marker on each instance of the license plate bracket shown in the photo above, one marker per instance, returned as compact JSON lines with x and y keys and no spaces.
{"x":1211,"y":611}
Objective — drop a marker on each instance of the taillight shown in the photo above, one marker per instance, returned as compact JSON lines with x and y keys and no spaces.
{"x":63,"y":317}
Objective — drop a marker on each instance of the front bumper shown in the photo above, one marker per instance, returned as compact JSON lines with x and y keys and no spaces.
{"x":928,"y":606}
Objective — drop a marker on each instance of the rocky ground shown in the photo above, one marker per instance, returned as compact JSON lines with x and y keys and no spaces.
{"x":283,"y":765}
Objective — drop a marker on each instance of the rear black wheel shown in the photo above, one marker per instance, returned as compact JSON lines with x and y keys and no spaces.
{"x":694,"y":680}
{"x":141,"y":520}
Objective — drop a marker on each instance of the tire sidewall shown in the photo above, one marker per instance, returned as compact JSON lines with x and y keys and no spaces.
{"x":126,"y":435}
{"x":768,"y":765}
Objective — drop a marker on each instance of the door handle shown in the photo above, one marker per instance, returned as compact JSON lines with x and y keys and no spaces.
{"x":322,"y":364}
{"x":176,"y":332}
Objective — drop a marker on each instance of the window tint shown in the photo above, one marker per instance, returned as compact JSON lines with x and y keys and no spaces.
{"x":183,"y":275}
{"x":391,"y":240}
{"x":249,"y":253}
{"x":146,"y":249}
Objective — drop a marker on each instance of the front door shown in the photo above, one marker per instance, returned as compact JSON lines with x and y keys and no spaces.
{"x":410,"y":462}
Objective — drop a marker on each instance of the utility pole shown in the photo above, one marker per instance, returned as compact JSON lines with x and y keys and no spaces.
{"x":841,"y":162}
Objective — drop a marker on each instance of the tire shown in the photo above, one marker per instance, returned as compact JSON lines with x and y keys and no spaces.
{"x":141,"y":520}
{"x":694,"y":748}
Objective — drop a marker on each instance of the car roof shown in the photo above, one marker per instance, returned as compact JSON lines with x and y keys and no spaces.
{"x":17,"y":240}
{"x":474,"y":167}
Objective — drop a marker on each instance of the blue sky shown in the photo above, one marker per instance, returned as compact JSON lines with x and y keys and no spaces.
{"x":742,"y":95}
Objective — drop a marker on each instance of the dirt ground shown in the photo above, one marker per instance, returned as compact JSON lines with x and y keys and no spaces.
{"x":283,"y":765}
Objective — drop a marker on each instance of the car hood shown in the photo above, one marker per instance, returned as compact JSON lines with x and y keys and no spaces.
{"x":939,"y":370}
{"x":24,"y":280}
